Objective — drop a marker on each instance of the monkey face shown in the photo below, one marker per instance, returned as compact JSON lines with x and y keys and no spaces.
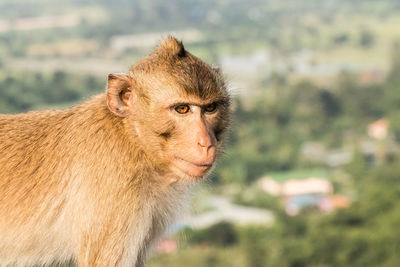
{"x":182,"y":130}
{"x":197,"y":151}
{"x":186,"y":133}
{"x":178,"y":105}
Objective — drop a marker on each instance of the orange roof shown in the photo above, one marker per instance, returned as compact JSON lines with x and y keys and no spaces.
{"x":340,"y":201}
{"x":378,"y":129}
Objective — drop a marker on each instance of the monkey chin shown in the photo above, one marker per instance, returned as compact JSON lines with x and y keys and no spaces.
{"x":191,"y":169}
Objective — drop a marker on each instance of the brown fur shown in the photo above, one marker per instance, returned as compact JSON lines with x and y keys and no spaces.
{"x":95,"y":182}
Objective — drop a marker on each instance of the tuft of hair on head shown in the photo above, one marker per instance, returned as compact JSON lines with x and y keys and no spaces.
{"x":171,"y":47}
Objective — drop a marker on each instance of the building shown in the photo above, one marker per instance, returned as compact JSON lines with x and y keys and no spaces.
{"x":378,"y":129}
{"x":310,"y":192}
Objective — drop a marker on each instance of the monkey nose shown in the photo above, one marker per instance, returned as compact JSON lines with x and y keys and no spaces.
{"x":205,"y":143}
{"x":206,"y":151}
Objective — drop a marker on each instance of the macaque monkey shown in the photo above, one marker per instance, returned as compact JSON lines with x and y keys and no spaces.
{"x":99,"y":182}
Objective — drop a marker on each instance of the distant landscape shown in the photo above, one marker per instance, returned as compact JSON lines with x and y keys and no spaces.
{"x":311,"y":170}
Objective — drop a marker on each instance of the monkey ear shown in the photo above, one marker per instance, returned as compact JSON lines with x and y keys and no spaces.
{"x":119,"y":94}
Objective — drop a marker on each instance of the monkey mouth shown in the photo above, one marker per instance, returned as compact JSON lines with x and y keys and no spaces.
{"x":193,"y":169}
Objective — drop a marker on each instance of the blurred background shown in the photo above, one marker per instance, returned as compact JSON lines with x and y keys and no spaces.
{"x":311,"y":170}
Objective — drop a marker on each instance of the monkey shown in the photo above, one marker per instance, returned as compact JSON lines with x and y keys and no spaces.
{"x":101,"y":181}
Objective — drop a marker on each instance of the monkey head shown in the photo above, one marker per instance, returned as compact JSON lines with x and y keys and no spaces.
{"x":175,"y":106}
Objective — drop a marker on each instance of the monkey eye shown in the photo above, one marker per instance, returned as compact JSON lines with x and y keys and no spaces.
{"x":210,"y":108}
{"x":182,"y":109}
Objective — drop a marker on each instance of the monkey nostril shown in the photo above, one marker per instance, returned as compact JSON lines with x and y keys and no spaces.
{"x":205,"y":141}
{"x":202,"y":144}
{"x":205,"y":144}
{"x":206,"y":150}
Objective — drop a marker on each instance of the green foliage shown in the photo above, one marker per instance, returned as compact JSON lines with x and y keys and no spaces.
{"x":340,"y":39}
{"x":220,"y":234}
{"x":20,"y":92}
{"x":255,"y":248}
{"x":255,"y":197}
{"x":365,"y":234}
{"x":367,"y":39}
{"x":267,"y":136}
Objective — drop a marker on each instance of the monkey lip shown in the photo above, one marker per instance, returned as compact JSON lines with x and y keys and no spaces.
{"x":193,"y":169}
